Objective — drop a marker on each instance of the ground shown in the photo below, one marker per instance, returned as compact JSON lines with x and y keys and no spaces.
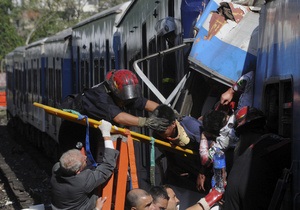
{"x":21,"y":165}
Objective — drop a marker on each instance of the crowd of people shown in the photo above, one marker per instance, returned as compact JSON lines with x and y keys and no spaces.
{"x":237,"y":129}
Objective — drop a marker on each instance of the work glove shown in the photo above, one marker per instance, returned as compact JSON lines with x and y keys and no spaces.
{"x":210,"y":199}
{"x":155,"y":123}
{"x":105,"y":128}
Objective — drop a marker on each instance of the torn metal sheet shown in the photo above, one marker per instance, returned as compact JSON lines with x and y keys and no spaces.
{"x":225,"y":46}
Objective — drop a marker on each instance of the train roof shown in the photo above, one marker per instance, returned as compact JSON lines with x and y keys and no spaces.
{"x":111,"y":11}
{"x":60,"y":36}
{"x":126,"y":12}
{"x":20,"y":49}
{"x":36,"y":43}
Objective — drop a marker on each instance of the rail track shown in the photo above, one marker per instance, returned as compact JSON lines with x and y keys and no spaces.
{"x":24,"y":171}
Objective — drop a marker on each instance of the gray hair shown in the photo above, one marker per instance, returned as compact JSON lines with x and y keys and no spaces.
{"x":70,"y":162}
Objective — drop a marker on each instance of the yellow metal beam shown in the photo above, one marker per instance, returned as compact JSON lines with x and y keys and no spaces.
{"x":94,"y":123}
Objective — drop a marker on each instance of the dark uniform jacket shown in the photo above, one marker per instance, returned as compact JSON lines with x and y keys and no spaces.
{"x":76,"y":191}
{"x":98,"y":103}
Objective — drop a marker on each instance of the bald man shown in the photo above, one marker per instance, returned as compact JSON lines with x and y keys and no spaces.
{"x":139,"y":199}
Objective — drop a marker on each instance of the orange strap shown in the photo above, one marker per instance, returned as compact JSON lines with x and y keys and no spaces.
{"x":132,"y":163}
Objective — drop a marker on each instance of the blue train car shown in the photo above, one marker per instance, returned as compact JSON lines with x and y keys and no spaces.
{"x":9,"y":65}
{"x":154,"y":43}
{"x":231,"y":40}
{"x":16,"y":82}
{"x":34,"y":66}
{"x":277,"y":80}
{"x":20,"y":81}
{"x":57,"y":79}
{"x":93,"y":53}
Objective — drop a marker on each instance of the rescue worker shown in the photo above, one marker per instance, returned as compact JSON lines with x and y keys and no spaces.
{"x":111,"y":100}
{"x":73,"y":184}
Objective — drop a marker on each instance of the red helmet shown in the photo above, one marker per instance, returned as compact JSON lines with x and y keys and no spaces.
{"x":249,"y":117}
{"x":124,"y":84}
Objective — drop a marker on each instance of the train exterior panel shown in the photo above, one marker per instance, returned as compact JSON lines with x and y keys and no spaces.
{"x":34,"y":65}
{"x":9,"y":62}
{"x":93,"y":46}
{"x":150,"y":27}
{"x":56,"y":80}
{"x":278,"y":77}
{"x":145,"y":29}
{"x":232,"y":43}
{"x":20,"y":81}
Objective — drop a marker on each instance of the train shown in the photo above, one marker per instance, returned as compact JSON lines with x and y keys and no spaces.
{"x":185,"y":53}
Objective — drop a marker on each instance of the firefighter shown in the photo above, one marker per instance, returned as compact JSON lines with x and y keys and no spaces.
{"x":110,"y":100}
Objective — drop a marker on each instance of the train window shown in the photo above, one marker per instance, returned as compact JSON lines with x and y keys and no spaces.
{"x":51,"y":84}
{"x":38,"y":73}
{"x":47,"y":83}
{"x":107,"y":53}
{"x":58,"y":86}
{"x":17,"y":80}
{"x":35,"y":77}
{"x":171,"y":8}
{"x":96,"y":78}
{"x":102,"y":71}
{"x":113,"y":63}
{"x":90,"y":75}
{"x":74,"y":77}
{"x":40,"y":82}
{"x":30,"y":77}
{"x":9,"y":77}
{"x":278,"y":100}
{"x":154,"y":76}
{"x":144,"y":44}
{"x":82,"y":73}
{"x":135,"y":57}
{"x":87,"y":74}
{"x":125,"y":56}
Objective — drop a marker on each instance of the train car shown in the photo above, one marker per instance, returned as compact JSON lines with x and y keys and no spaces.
{"x":15,"y":88}
{"x":56,"y":79}
{"x":154,"y":44}
{"x":277,"y":83}
{"x":9,"y":62}
{"x":271,"y":48}
{"x":34,"y":66}
{"x":20,"y":80}
{"x":93,"y":53}
{"x":56,"y":82}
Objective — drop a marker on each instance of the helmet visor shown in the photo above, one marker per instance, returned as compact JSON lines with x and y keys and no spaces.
{"x":130,"y":92}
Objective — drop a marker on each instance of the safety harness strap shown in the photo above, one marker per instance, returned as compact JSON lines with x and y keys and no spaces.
{"x":152,"y":162}
{"x":87,"y":135}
